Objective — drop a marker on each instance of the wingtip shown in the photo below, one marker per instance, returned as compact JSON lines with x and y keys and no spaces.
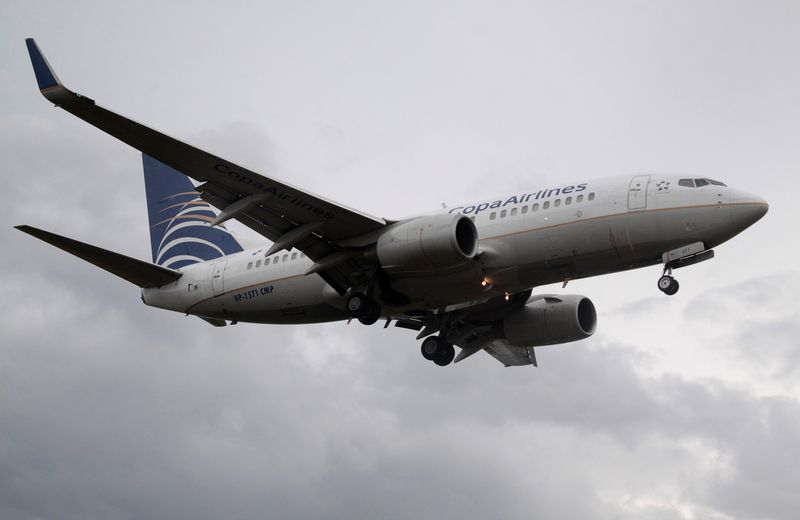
{"x":45,"y":76}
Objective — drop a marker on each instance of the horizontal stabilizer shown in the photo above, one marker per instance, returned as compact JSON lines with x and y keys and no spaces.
{"x":217,"y":322}
{"x":143,"y":274}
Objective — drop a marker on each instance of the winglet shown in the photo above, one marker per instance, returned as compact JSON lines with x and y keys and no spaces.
{"x":45,"y":76}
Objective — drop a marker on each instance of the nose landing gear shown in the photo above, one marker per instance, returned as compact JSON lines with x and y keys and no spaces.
{"x":691,"y":254}
{"x":667,"y":284}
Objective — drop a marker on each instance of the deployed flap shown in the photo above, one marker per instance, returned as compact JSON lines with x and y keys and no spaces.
{"x":143,"y":274}
{"x":511,"y":355}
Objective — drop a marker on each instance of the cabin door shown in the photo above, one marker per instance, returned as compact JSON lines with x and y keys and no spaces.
{"x":218,"y":277}
{"x":637,"y":193}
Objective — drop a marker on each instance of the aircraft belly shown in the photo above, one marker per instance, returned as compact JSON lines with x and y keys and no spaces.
{"x":438,"y":289}
{"x":279,"y":299}
{"x":318,"y":313}
{"x":618,"y":242}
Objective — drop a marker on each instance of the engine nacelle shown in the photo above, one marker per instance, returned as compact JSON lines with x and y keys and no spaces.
{"x":428,"y":243}
{"x":551,"y":319}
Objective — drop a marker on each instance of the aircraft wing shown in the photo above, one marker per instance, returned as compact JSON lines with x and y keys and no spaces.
{"x":285,"y":214}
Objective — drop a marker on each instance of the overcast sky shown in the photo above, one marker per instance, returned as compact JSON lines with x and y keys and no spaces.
{"x":677,"y":408}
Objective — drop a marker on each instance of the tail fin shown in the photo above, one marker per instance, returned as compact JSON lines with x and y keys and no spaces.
{"x":180,"y":221}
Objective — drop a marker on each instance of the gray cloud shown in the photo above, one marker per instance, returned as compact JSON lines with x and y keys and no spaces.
{"x":677,"y":408}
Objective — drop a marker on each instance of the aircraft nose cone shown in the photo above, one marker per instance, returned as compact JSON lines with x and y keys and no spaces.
{"x":746,"y":209}
{"x":762,"y":206}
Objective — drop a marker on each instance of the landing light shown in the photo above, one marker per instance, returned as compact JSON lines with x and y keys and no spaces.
{"x":508,"y":297}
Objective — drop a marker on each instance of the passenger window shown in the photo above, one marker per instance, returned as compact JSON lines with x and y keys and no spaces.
{"x":249,"y":265}
{"x":275,"y":260}
{"x":524,"y":209}
{"x":546,"y":205}
{"x":472,"y":218}
{"x":557,"y":202}
{"x":688,"y":183}
{"x":591,"y":196}
{"x":513,"y":211}
{"x":302,"y":255}
{"x":579,"y":199}
{"x":535,"y":207}
{"x":258,"y":263}
{"x":503,"y":214}
{"x":285,"y":257}
{"x":701,"y":182}
{"x":568,"y":201}
{"x":492,"y":216}
{"x":294,"y":256}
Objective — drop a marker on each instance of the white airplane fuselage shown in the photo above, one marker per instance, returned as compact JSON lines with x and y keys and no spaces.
{"x":526,"y":240}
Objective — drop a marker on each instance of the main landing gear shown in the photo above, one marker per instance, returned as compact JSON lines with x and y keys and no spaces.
{"x":438,"y":350}
{"x":363,"y":308}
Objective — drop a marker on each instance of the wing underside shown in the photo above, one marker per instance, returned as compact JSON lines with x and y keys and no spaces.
{"x":477,"y":328}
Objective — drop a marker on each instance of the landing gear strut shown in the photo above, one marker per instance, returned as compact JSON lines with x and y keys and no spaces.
{"x":438,"y":350}
{"x":363,"y":308}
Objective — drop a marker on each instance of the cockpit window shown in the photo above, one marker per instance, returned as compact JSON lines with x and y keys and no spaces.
{"x":696,"y":183}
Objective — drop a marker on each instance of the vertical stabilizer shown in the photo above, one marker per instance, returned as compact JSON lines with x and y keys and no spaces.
{"x":180,"y":221}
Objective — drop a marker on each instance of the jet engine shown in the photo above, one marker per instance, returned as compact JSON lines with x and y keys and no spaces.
{"x":428,"y":243}
{"x":551,"y":319}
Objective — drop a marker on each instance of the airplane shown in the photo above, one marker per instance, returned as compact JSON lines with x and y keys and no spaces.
{"x":461,"y":276}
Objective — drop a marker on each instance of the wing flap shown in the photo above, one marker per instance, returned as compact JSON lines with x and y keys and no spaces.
{"x":142,"y":274}
{"x":511,"y":355}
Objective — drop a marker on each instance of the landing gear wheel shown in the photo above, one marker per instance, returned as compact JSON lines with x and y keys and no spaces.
{"x":668,"y":285}
{"x":674,"y":288}
{"x":446,"y":355}
{"x":358,"y":305}
{"x":437,"y":350}
{"x":430,"y":347}
{"x":372,"y":315}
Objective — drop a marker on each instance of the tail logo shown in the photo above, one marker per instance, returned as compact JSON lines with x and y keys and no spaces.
{"x":180,"y":221}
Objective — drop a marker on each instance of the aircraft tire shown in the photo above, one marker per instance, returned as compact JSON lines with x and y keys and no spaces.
{"x":430,"y":347}
{"x":665,"y":283}
{"x":372,"y":315}
{"x":673,"y":288}
{"x":358,"y":305}
{"x":446,"y":355}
